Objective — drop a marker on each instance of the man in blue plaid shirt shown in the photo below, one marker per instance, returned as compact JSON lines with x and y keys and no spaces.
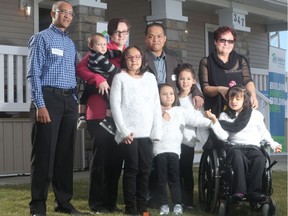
{"x":52,"y":83}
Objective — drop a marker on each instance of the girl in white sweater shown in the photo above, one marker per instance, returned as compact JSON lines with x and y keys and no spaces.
{"x":192,"y":136}
{"x":136,"y":111}
{"x":167,"y":150}
{"x":244,"y":128}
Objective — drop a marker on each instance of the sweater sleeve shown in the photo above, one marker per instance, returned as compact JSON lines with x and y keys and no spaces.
{"x":99,"y":63}
{"x":156,"y":133}
{"x":195,"y":90}
{"x":84,"y":73}
{"x":113,"y":54}
{"x":218,"y":130}
{"x":115,"y":103}
{"x":194,"y":118}
{"x":265,"y":134}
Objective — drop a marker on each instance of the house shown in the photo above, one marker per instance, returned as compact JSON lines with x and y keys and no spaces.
{"x":189,"y":25}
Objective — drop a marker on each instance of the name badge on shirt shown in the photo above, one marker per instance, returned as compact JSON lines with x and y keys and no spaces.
{"x":173,"y":77}
{"x":57,"y":52}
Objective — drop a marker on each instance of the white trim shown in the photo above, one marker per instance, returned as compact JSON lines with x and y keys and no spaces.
{"x":166,"y":9}
{"x":12,"y":50}
{"x":208,"y":28}
{"x":259,"y":71}
{"x":89,"y":3}
{"x":249,"y":8}
{"x":36,"y":16}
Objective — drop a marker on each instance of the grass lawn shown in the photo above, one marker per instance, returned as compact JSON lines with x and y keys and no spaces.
{"x":14,"y":199}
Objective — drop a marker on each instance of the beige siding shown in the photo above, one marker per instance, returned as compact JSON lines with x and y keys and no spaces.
{"x":258,"y":46}
{"x":16,"y":28}
{"x":15,"y":145}
{"x":196,"y":36}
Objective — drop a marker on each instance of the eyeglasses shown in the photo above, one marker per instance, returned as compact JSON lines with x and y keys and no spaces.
{"x":136,"y":57}
{"x":121,"y":32}
{"x":63,"y":11}
{"x":221,"y":40}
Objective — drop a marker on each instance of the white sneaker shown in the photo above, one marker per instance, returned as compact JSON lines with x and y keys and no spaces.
{"x":178,"y":209}
{"x":81,"y":123}
{"x":164,"y":210}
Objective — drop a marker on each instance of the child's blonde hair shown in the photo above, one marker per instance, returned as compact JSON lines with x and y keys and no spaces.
{"x":91,"y":38}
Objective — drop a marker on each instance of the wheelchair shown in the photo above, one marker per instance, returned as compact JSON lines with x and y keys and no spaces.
{"x":215,"y":182}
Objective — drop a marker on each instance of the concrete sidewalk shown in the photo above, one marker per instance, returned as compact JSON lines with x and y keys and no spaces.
{"x":25,"y":178}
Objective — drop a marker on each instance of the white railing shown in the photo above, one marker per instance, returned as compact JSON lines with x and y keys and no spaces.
{"x":14,"y":96}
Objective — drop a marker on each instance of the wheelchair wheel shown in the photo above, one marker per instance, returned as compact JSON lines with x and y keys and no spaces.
{"x":269,"y":209}
{"x":208,"y":181}
{"x":222,"y":208}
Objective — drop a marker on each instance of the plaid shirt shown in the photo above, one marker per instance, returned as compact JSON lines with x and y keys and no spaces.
{"x":51,"y":62}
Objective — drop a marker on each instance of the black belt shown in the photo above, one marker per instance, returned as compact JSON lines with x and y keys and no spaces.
{"x":64,"y":92}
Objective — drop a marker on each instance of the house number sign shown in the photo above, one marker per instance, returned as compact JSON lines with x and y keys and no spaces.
{"x":239,"y":20}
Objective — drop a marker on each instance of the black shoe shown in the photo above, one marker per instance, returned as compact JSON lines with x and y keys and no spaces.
{"x":37,"y":214}
{"x":188,"y":207}
{"x":256,"y":197}
{"x":142,"y":210}
{"x":100,"y":210}
{"x":238,"y":196}
{"x":115,"y":209}
{"x":109,"y":125}
{"x":68,"y":209}
{"x":131,"y":212}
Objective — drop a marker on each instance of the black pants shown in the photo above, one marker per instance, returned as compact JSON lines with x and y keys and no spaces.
{"x":105,"y":167}
{"x":52,"y":151}
{"x":137,"y":165}
{"x":186,"y":174}
{"x":248,"y":165}
{"x":153,"y":196}
{"x":167,"y":169}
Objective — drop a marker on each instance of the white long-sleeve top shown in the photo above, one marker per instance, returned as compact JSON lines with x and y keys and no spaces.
{"x":173,"y":129}
{"x":193,"y":136}
{"x":254,"y":132}
{"x":135,"y":106}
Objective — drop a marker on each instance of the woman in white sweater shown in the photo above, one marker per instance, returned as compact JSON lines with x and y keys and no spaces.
{"x":136,"y":110}
{"x":244,"y":128}
{"x":167,"y":150}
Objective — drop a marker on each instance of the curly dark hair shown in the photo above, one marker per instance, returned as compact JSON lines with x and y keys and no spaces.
{"x":221,"y":30}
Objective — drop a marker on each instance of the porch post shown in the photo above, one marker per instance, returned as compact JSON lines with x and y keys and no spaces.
{"x":87,"y":14}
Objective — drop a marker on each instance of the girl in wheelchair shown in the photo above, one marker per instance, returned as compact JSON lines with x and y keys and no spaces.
{"x":244,"y":128}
